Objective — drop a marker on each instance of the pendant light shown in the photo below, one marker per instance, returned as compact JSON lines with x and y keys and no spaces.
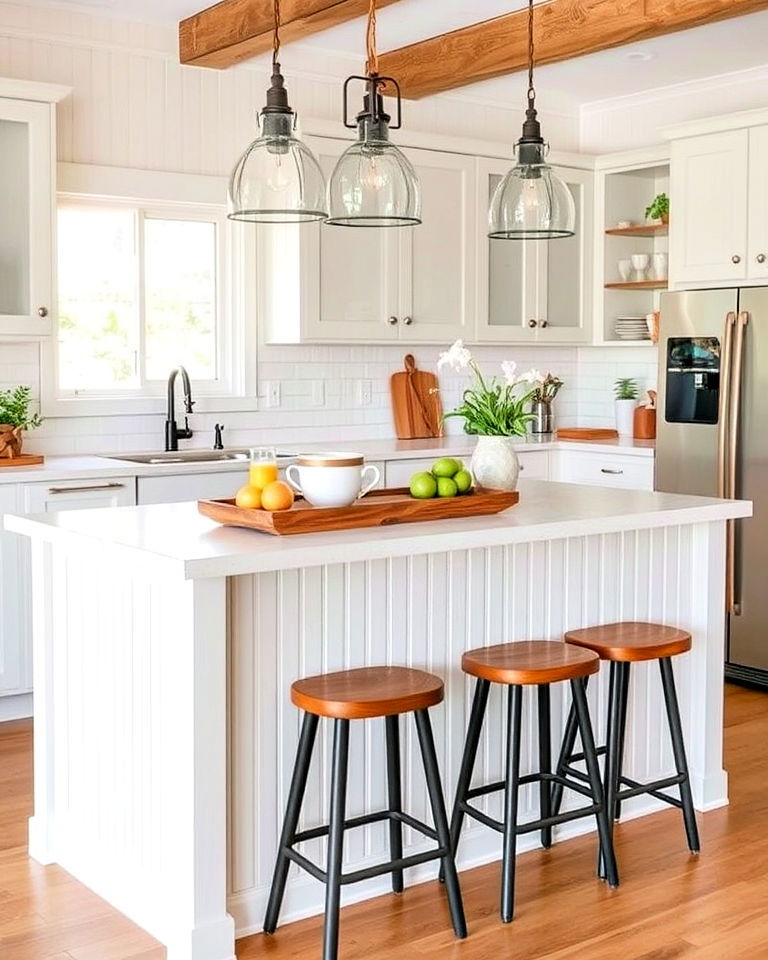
{"x":277,"y":179}
{"x":531,"y":202}
{"x":373,"y":183}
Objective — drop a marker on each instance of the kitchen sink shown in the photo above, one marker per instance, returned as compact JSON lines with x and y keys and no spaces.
{"x":193,"y":456}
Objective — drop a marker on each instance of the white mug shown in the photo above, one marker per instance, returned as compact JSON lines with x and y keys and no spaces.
{"x":331,"y":479}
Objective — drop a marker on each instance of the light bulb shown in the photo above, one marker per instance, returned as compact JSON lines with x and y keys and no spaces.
{"x":371,"y":176}
{"x":278,"y":177}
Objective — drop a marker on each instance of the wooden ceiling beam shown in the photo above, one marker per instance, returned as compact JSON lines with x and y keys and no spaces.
{"x":235,"y":30}
{"x":563,"y":29}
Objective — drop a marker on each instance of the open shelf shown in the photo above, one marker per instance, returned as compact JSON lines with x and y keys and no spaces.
{"x":638,"y":285}
{"x":640,"y":230}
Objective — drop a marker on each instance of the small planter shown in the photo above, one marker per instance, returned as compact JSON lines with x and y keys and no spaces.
{"x":495,"y":465}
{"x":625,"y":417}
{"x":11,"y":440}
{"x":541,"y":411}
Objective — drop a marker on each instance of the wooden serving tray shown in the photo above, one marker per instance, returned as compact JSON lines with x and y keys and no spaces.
{"x":379,"y":508}
{"x":25,"y":460}
{"x":586,"y":433}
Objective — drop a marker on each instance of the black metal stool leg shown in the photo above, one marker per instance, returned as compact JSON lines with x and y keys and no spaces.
{"x":611,"y":773}
{"x":567,"y":750}
{"x":512,"y":786}
{"x":476,"y":717}
{"x":678,"y":747}
{"x":435,"y":789}
{"x":291,"y":819}
{"x":395,"y":797}
{"x":545,"y":760}
{"x":623,"y":705}
{"x":336,"y":839}
{"x":607,"y":856}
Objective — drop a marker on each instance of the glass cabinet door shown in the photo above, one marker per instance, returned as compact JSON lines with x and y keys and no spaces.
{"x":26,"y":214}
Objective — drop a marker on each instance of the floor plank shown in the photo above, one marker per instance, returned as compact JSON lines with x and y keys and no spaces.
{"x":670,"y":906}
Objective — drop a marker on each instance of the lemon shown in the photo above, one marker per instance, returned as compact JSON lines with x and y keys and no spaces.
{"x":248,"y":498}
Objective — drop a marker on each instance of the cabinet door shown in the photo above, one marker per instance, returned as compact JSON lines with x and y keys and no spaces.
{"x":708,"y":219}
{"x":563,"y":303}
{"x":15,"y":650}
{"x":757,"y":266}
{"x":508,"y":271}
{"x":78,"y":494}
{"x":437,"y":261}
{"x":350,"y":274}
{"x":26,"y":213}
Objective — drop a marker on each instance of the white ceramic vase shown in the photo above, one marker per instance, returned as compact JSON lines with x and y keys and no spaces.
{"x":625,"y":417}
{"x":494,"y":463}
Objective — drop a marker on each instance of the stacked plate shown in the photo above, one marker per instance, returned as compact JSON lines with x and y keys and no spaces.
{"x":631,"y":328}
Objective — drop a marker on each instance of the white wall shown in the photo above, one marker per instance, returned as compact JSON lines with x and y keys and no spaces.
{"x":134,"y":105}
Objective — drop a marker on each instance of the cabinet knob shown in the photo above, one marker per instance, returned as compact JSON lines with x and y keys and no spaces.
{"x":760,"y":258}
{"x":391,"y":321}
{"x":407,"y":321}
{"x":42,"y":311}
{"x":543,"y":323}
{"x":532,"y":324}
{"x":735,"y":258}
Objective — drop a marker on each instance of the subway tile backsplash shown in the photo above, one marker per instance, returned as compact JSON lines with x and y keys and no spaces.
{"x":586,"y":399}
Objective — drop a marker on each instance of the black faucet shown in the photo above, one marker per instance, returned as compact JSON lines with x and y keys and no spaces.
{"x":217,"y":441}
{"x":172,"y":432}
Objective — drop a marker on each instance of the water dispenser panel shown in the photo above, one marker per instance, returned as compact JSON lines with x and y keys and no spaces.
{"x":693,"y":380}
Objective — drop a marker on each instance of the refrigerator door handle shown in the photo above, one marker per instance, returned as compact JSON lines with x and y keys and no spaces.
{"x":724,"y":399}
{"x":734,"y":415}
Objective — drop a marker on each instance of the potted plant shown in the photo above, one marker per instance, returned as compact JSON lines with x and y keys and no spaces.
{"x":496,"y":411}
{"x":15,"y":418}
{"x":541,"y":406}
{"x":626,"y":392}
{"x":659,"y":208}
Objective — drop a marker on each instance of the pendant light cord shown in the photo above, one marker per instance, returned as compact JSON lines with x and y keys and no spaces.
{"x":276,"y":34}
{"x":372,"y":61}
{"x":531,"y":90}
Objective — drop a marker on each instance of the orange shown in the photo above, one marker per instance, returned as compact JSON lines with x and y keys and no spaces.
{"x":248,"y":497}
{"x":277,"y":496}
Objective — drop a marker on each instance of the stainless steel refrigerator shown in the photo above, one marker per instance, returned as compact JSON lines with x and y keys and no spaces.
{"x":712,"y":439}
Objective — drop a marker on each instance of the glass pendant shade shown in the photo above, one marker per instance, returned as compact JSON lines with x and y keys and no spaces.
{"x":373,"y":183}
{"x":531,"y":203}
{"x":277,"y":179}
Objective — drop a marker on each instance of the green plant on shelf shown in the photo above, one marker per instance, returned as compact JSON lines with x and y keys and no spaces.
{"x":625,"y":388}
{"x":659,"y":208}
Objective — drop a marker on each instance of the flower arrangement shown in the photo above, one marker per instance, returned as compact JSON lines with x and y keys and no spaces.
{"x":492,"y":407}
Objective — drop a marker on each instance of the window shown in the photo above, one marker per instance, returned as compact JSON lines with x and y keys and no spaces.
{"x":138,"y":294}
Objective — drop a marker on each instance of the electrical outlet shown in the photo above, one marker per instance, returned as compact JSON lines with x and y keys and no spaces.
{"x":364,"y":393}
{"x":272,"y":393}
{"x":318,"y":393}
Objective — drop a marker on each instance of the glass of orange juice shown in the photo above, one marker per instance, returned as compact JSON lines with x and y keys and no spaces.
{"x":263,"y":469}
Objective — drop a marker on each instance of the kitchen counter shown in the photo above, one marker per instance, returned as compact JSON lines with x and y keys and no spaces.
{"x":164,"y":648}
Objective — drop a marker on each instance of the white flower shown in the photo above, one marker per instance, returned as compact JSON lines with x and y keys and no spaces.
{"x":532,"y":376}
{"x":457,"y":358}
{"x":508,"y":368}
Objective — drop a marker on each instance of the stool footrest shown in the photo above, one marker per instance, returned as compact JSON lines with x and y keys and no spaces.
{"x":540,"y":824}
{"x":315,"y":832}
{"x":499,"y":785}
{"x":653,"y":789}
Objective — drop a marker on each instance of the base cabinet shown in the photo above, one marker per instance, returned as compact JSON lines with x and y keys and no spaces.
{"x":604,"y":470}
{"x":15,"y":650}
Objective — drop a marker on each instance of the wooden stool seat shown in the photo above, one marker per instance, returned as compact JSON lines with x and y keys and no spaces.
{"x":530,"y":662}
{"x":630,"y":642}
{"x":367,"y":692}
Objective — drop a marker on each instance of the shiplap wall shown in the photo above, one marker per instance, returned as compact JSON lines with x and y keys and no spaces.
{"x":133,"y":105}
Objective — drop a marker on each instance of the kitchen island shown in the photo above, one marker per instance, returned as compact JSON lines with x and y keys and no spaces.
{"x":164,"y":648}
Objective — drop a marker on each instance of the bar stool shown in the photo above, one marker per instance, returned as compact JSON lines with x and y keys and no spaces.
{"x":356,"y":695}
{"x":623,"y":644}
{"x":536,"y":663}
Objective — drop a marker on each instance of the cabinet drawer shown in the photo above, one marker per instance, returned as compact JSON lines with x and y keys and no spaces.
{"x":607,"y":470}
{"x":178,"y":488}
{"x":398,"y":473}
{"x":57,"y":495}
{"x":534,"y":465}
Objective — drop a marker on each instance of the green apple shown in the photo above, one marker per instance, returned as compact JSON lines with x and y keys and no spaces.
{"x":423,"y":486}
{"x":463,"y":481}
{"x":446,"y":487}
{"x":445,"y":467}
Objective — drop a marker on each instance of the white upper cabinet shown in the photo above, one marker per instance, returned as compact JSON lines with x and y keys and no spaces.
{"x":357,"y":284}
{"x":709,"y":203}
{"x":534,"y":291}
{"x":26,"y":213}
{"x":757,"y":245}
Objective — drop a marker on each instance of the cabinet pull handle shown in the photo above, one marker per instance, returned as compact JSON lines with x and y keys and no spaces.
{"x":407,"y":321}
{"x":42,"y":311}
{"x":735,"y":258}
{"x":532,"y":324}
{"x":760,"y":258}
{"x":606,"y":470}
{"x":392,"y":321}
{"x":88,"y":489}
{"x":543,"y":323}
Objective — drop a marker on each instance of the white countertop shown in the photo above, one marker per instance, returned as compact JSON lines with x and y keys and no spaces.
{"x":176,"y":534}
{"x":85,"y":467}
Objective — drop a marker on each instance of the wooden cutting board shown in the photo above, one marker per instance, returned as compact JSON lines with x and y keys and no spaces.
{"x":416,"y":405}
{"x":25,"y":460}
{"x":586,"y":433}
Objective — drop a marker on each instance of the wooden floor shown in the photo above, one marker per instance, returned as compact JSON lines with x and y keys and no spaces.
{"x":670,"y":906}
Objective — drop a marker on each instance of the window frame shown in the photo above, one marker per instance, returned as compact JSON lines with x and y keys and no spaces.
{"x":167,"y":196}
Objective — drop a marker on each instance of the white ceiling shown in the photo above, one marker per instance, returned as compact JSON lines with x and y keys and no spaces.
{"x":732,"y":45}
